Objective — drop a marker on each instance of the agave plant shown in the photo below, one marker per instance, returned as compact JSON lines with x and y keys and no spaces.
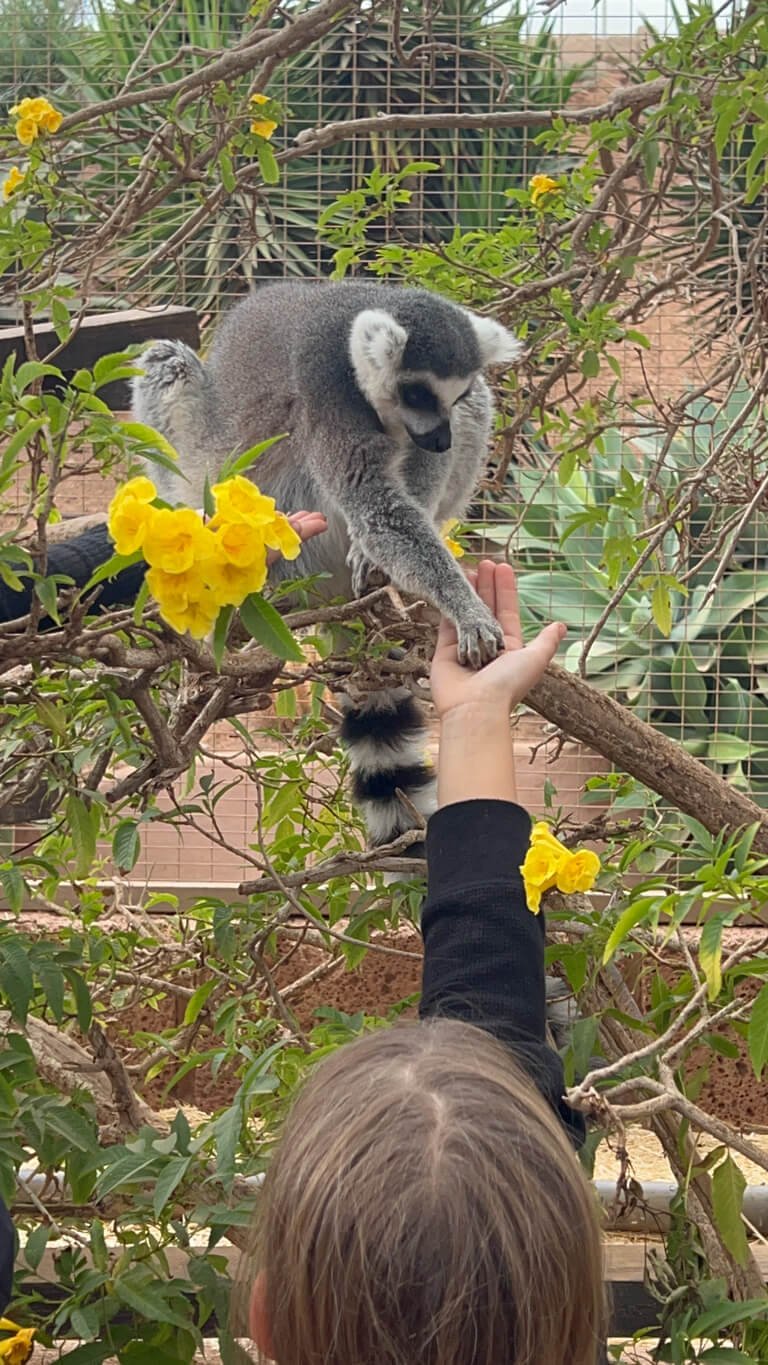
{"x":698,"y":668}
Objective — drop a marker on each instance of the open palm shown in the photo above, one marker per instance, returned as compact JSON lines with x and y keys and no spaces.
{"x":507,"y":680}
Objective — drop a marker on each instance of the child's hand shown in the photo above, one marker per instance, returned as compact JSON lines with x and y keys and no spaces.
{"x":503,"y":683}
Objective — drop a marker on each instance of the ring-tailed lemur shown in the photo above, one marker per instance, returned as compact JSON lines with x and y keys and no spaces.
{"x":380,"y":391}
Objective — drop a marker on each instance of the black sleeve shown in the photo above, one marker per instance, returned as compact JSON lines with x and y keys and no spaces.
{"x":78,"y":559}
{"x":483,"y":949}
{"x":7,"y":1254}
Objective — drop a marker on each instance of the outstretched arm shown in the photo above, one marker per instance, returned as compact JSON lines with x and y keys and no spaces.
{"x":483,"y":949}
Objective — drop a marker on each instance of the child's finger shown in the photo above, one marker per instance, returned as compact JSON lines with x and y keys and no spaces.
{"x":507,"y":603}
{"x":486,"y":584}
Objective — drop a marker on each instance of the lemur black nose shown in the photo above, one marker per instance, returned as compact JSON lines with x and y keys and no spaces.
{"x":437,"y":440}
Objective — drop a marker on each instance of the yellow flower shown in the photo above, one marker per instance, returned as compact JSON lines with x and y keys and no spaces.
{"x":540,"y":186}
{"x":130,"y":515}
{"x":31,"y":108}
{"x":52,"y":121}
{"x":238,"y":543}
{"x":542,"y":834}
{"x":14,"y":178}
{"x":455,"y":548}
{"x":238,"y":499}
{"x":539,"y":872}
{"x":16,"y":1349}
{"x":32,"y":115}
{"x":26,"y":131}
{"x":578,"y":872}
{"x":265,"y":127}
{"x":174,"y":539}
{"x":281,"y":536}
{"x":185,"y":599}
{"x":231,"y":583}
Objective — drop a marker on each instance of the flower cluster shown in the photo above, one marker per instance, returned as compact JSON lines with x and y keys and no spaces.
{"x":16,"y":1348}
{"x":541,"y":186}
{"x":33,"y":117}
{"x":265,"y":127}
{"x":196,"y":568}
{"x":14,"y":178}
{"x":456,"y":549}
{"x":548,"y":863}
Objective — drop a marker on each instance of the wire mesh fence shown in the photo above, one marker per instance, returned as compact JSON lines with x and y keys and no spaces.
{"x":682,"y":634}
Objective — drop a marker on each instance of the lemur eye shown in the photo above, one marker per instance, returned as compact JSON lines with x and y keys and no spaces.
{"x":418,"y":396}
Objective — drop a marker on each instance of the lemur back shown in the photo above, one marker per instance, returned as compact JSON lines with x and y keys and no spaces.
{"x":379,"y":392}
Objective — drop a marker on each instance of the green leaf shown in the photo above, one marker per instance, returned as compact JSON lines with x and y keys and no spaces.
{"x":168,"y":1179}
{"x":82,"y":998}
{"x":220,"y":633}
{"x":264,"y":624}
{"x":633,"y":915}
{"x":148,"y":1299}
{"x":46,"y":591}
{"x":689,"y":686}
{"x":726,"y":1314}
{"x":16,"y":978}
{"x":37,"y":1241}
{"x":32,"y":370}
{"x":590,"y":365}
{"x":22,"y":438}
{"x":728,"y":1186}
{"x":126,"y":845}
{"x":757,"y":1032}
{"x":267,"y":163}
{"x":111,"y":568}
{"x":638,"y":338}
{"x":710,"y":955}
{"x":69,"y":1124}
{"x":60,"y":317}
{"x":83,"y":824}
{"x":128,"y":1169}
{"x":51,"y":979}
{"x":725,"y":1355}
{"x":197,"y":1001}
{"x":728,"y":749}
{"x":661,"y":607}
{"x":149,"y":437}
{"x":227,"y":171}
{"x":240,"y":464}
{"x":14,"y":887}
{"x":109,"y":368}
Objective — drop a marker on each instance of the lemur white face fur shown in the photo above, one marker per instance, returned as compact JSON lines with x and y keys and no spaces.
{"x":416,"y":405}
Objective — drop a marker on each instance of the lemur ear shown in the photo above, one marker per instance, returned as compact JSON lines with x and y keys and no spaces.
{"x":376,"y":345}
{"x":498,"y":346}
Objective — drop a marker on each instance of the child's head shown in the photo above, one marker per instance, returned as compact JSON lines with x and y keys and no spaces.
{"x":425,"y":1208}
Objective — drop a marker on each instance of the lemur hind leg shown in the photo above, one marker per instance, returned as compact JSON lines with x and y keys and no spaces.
{"x":175,"y":395}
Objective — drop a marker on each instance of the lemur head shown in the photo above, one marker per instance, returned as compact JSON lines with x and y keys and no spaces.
{"x":415,"y":367}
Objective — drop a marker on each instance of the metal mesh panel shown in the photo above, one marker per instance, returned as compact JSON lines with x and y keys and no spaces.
{"x":472,"y":56}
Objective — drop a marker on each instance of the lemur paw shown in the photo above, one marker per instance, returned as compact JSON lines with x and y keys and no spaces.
{"x":167,"y":363}
{"x":479,"y":642}
{"x":362,"y":570}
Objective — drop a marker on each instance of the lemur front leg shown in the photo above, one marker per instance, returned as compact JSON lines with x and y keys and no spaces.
{"x":389,"y":529}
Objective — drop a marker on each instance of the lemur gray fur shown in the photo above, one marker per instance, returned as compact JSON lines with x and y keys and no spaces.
{"x":381,"y":392}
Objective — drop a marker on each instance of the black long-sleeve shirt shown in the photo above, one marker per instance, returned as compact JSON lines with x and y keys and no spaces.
{"x":78,"y":559}
{"x":483,"y":949}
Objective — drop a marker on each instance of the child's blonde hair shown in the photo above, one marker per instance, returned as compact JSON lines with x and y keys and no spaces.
{"x":425,"y":1208}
